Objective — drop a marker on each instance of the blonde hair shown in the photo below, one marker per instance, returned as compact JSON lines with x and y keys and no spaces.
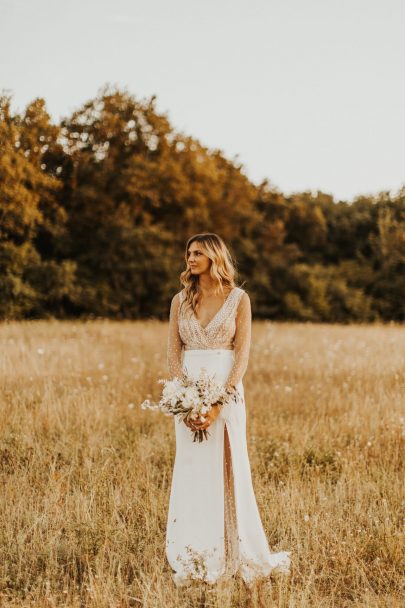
{"x":222,"y":269}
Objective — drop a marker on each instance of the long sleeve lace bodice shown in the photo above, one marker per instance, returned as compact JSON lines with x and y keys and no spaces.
{"x":174,"y":341}
{"x":230,"y":328}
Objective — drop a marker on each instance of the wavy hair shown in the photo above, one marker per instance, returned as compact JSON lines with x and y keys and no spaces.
{"x":222,"y":268}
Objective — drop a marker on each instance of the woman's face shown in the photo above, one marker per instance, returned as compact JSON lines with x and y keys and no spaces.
{"x":197,"y":261}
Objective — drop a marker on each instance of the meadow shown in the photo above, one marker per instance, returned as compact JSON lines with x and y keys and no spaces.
{"x":85,"y":473}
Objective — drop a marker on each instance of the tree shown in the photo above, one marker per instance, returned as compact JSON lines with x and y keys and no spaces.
{"x":95,"y":213}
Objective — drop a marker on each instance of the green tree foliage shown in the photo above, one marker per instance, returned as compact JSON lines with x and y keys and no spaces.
{"x":31,"y":218}
{"x":95,"y":213}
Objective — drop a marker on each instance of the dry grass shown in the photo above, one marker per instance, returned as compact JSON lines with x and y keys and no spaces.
{"x":85,"y":475}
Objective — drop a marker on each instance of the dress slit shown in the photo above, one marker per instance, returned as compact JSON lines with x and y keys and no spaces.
{"x":231,"y":549}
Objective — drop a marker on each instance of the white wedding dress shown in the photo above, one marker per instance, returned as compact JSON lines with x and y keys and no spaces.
{"x":214,"y":528}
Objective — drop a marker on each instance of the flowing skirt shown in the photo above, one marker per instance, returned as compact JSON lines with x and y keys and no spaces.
{"x":214,"y":529}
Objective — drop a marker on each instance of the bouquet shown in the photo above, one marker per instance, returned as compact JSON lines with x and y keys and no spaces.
{"x":191,"y":399}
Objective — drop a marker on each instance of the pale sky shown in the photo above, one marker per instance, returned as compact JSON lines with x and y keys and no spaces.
{"x":308,"y":93}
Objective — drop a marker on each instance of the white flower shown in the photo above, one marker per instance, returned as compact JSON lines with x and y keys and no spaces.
{"x":191,"y":397}
{"x":306,"y":517}
{"x":146,"y":405}
{"x":187,"y":397}
{"x":40,"y":351}
{"x":171,"y":390}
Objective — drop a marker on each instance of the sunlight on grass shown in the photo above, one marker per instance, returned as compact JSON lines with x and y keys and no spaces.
{"x":85,"y":473}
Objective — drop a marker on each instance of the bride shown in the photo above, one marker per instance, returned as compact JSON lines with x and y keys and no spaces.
{"x":214,"y":530}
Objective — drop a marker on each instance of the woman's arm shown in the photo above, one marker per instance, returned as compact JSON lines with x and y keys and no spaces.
{"x":241,"y":342}
{"x":174,"y":343}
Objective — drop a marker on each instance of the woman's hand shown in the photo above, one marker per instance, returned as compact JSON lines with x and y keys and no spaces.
{"x":201,"y":425}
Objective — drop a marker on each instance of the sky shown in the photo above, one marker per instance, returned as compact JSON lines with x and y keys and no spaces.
{"x":309,"y":94}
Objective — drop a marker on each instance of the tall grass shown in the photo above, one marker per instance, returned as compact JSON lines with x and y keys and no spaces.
{"x":85,"y":473}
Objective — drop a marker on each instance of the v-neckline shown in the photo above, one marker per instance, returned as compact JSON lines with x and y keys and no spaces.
{"x":216,"y":314}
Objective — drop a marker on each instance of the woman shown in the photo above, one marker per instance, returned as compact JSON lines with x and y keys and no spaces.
{"x":214,"y":528}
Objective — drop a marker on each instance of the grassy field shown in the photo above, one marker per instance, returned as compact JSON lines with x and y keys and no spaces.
{"x":85,"y":473}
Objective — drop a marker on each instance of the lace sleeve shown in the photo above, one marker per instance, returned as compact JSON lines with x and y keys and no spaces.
{"x":174,"y":343}
{"x":241,"y":342}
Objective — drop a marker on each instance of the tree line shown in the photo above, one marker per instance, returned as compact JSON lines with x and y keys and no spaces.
{"x":95,"y":212}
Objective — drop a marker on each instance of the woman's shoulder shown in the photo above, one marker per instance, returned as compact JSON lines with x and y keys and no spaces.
{"x":243,"y":304}
{"x":178,"y":297}
{"x":241,"y":293}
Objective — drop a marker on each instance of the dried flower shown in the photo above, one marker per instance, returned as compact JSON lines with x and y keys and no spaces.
{"x":191,"y":398}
